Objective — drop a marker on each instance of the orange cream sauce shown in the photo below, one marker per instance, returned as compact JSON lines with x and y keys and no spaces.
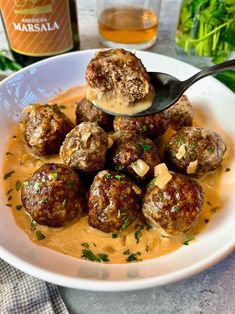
{"x":69,"y":239}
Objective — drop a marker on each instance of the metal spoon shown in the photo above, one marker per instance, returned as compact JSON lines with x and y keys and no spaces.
{"x":169,"y":89}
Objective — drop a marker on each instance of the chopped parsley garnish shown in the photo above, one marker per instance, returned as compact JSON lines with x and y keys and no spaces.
{"x":45,"y":200}
{"x":54,"y":175}
{"x":146,"y":147}
{"x":227,"y":169}
{"x":26,"y":183}
{"x":33,"y":225}
{"x":9,"y":198}
{"x":114,"y":235}
{"x":186,"y":242}
{"x":18,"y":207}
{"x":8,"y":174}
{"x":133,"y":257}
{"x":211,"y":149}
{"x":160,"y":196}
{"x":138,"y":233}
{"x":145,"y":128}
{"x":127,"y":252}
{"x":108,"y":176}
{"x":153,"y":182}
{"x":36,"y":186}
{"x":118,"y":177}
{"x":40,"y":235}
{"x":179,"y":141}
{"x":206,"y":221}
{"x":64,"y":203}
{"x":103,"y":257}
{"x":120,"y":214}
{"x":89,"y":255}
{"x":17,"y":185}
{"x":165,"y":236}
{"x":69,"y":184}
{"x":125,"y":224}
{"x":86,"y":245}
{"x":9,"y":191}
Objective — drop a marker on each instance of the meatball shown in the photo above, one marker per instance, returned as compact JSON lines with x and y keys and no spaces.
{"x":174,"y":208}
{"x":85,"y":112}
{"x":85,"y":147}
{"x":46,"y":128}
{"x":52,"y":195}
{"x":194,"y":151}
{"x":149,"y":126}
{"x":113,"y":203}
{"x":119,"y":73}
{"x":181,"y":114}
{"x":128,"y":149}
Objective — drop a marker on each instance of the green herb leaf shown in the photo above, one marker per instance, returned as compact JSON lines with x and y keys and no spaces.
{"x":133,"y":257}
{"x":40,"y":235}
{"x":26,"y":183}
{"x":89,"y":255}
{"x":186,"y":242}
{"x":125,"y":224}
{"x":9,"y":191}
{"x":127,"y":252}
{"x":114,"y":235}
{"x":108,"y":176}
{"x":86,"y":245}
{"x":8,"y":64}
{"x":54,"y":175}
{"x":138,"y":233}
{"x":7,"y":175}
{"x":36,"y":186}
{"x":69,"y":184}
{"x":17,"y":185}
{"x":118,"y":177}
{"x":18,"y":207}
{"x":102,"y":257}
{"x":146,"y":147}
{"x":33,"y":225}
{"x":64,"y":203}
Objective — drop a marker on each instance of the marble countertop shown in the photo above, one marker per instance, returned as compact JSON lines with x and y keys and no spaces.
{"x":212,"y":291}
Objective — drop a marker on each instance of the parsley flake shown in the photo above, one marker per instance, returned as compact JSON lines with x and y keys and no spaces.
{"x":17,"y":185}
{"x":18,"y":207}
{"x":125,"y":224}
{"x":186,"y":242}
{"x":114,"y":235}
{"x":118,"y":177}
{"x":138,"y":233}
{"x":40,"y":235}
{"x":8,"y":174}
{"x":211,"y":149}
{"x":127,"y":252}
{"x":33,"y":225}
{"x":86,"y":245}
{"x":146,"y":147}
{"x":108,"y":176}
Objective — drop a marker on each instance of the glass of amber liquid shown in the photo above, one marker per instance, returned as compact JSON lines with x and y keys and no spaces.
{"x":130,"y":24}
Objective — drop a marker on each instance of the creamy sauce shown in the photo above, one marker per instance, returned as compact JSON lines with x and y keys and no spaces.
{"x":118,"y":104}
{"x":69,"y":239}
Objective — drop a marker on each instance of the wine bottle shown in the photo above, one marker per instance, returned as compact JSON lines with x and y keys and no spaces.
{"x":37,"y":29}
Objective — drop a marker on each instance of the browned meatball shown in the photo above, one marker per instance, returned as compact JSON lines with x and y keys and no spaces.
{"x":128,"y":149}
{"x":113,"y":203}
{"x":46,"y":128}
{"x":194,"y":151}
{"x":85,"y":147}
{"x":174,"y":208}
{"x":149,"y":126}
{"x":118,"y":72}
{"x":85,"y":111}
{"x":52,"y":195}
{"x":181,"y":114}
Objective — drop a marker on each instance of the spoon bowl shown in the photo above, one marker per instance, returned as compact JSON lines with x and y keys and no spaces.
{"x":168,"y":89}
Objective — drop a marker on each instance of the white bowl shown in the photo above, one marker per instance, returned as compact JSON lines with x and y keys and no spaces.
{"x":39,"y":82}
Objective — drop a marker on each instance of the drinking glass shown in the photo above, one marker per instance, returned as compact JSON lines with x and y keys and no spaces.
{"x":131,"y":24}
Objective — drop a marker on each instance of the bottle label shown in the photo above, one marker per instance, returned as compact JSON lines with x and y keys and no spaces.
{"x":38,"y":27}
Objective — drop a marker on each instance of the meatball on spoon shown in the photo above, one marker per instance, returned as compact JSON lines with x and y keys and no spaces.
{"x":167,"y":90}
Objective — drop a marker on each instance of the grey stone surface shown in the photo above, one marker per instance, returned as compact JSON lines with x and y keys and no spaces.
{"x":213,"y":291}
{"x":209,"y":292}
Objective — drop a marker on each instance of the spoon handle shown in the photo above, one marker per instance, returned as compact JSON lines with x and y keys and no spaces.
{"x":227,"y":65}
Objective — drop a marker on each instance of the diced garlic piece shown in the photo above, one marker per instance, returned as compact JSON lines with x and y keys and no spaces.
{"x":140,"y":167}
{"x":160,"y":169}
{"x":136,"y":189}
{"x":181,"y":152}
{"x":205,"y":132}
{"x":192,"y":167}
{"x":162,"y":179}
